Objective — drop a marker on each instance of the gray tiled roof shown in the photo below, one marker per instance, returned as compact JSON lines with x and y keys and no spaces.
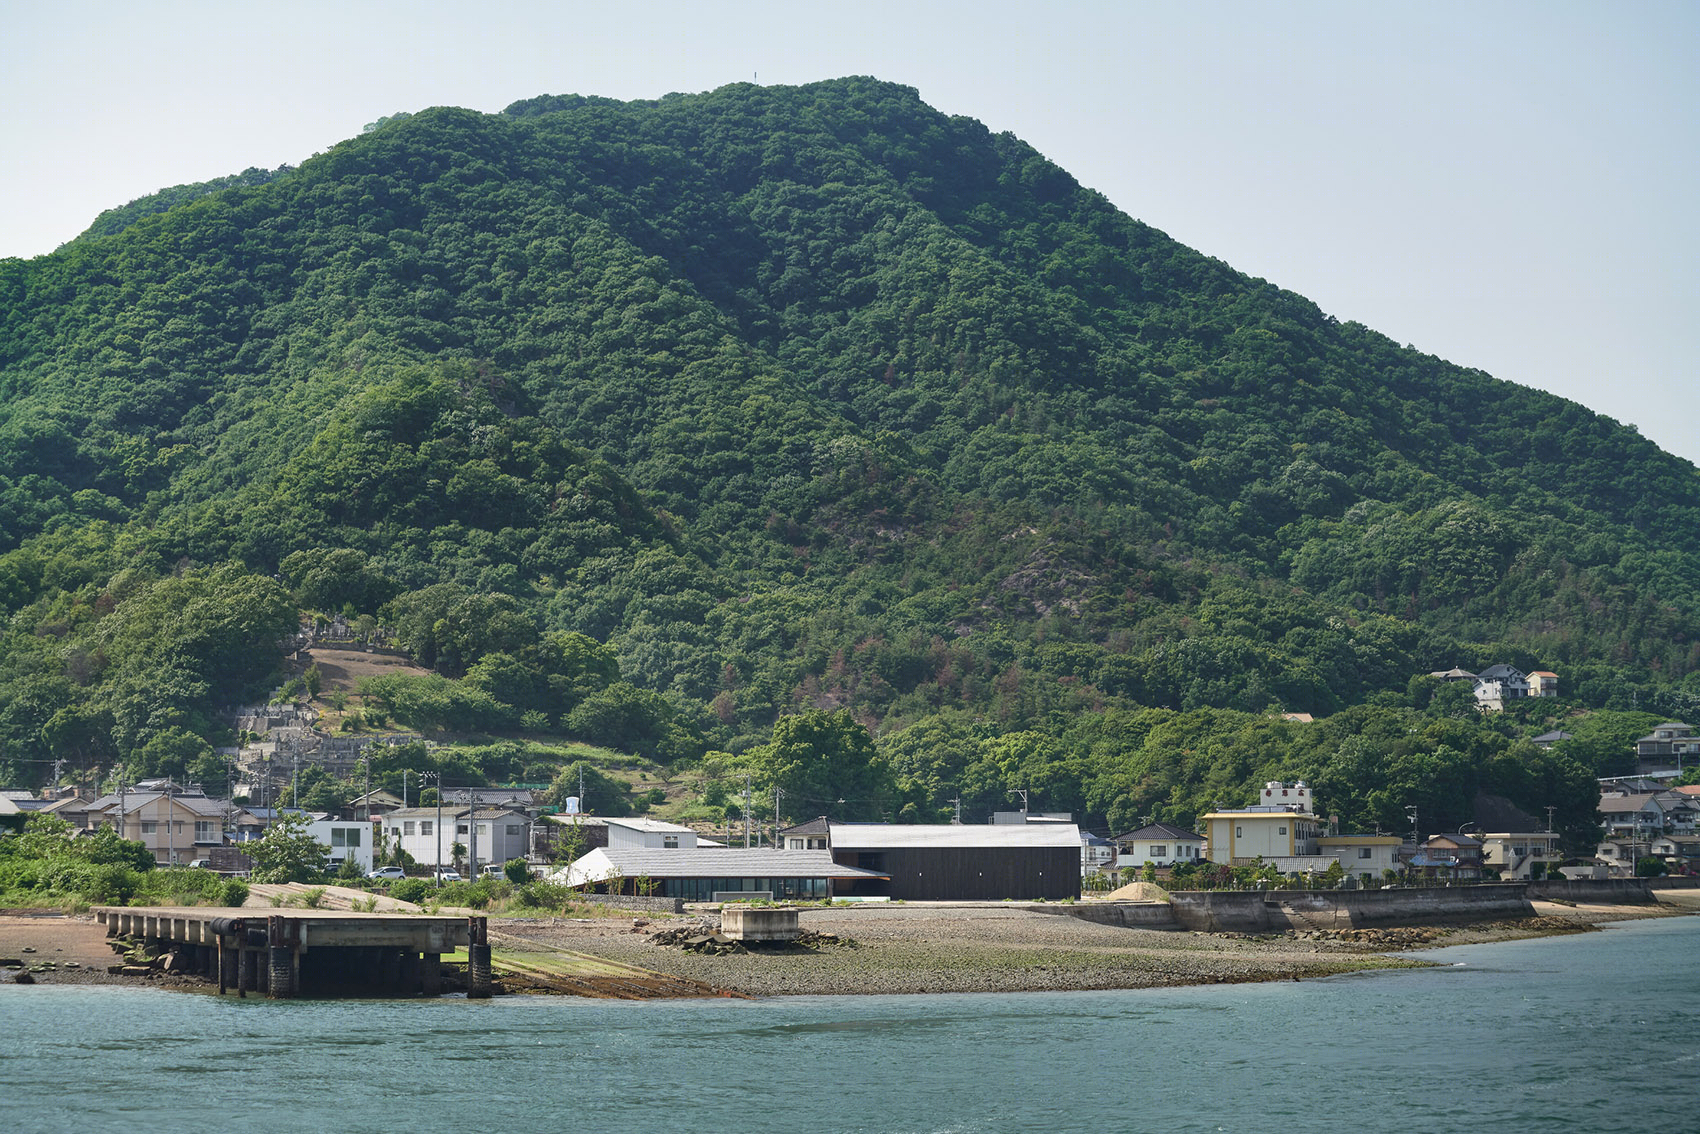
{"x":816,"y":826}
{"x":1624,"y":804}
{"x":197,"y":804}
{"x":1160,"y":831}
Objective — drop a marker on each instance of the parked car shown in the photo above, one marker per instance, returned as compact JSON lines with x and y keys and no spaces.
{"x":448,"y":876}
{"x":391,"y":872}
{"x":492,"y":870}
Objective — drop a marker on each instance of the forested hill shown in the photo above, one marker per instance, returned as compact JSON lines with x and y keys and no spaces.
{"x":783,"y":398}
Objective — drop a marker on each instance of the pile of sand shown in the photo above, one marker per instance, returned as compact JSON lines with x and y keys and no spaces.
{"x":1138,"y":892}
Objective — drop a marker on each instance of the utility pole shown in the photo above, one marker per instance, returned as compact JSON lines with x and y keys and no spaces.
{"x":472,"y":837}
{"x":746,"y":811}
{"x":120,"y":805}
{"x":958,"y":803}
{"x":1411,"y":812}
{"x":1022,"y":792}
{"x":437,"y":778}
{"x":295,"y":780}
{"x":229,"y":797}
{"x":170,"y":836}
{"x":777,"y":796}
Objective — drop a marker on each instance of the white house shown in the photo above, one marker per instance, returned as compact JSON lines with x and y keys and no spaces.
{"x":1500,"y":683}
{"x":1159,"y":844}
{"x":346,"y":838}
{"x":500,"y":835}
{"x":1514,"y":853}
{"x":1362,"y":854}
{"x":648,"y":834}
{"x":494,"y":835}
{"x":1636,"y":814}
{"x":1097,"y":854}
{"x":813,"y":835}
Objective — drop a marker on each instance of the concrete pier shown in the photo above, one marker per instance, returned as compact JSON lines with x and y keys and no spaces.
{"x":759,"y":923}
{"x":290,"y":953}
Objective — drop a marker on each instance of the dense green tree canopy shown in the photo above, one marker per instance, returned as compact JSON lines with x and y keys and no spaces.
{"x":662,"y":422}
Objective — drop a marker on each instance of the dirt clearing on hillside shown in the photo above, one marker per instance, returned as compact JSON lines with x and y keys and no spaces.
{"x":344,"y":669}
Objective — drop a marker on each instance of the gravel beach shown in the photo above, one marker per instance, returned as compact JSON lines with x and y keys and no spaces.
{"x":943,"y":948}
{"x":915,"y":949}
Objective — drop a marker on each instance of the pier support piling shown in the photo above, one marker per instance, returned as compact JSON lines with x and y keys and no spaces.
{"x":411,"y":970}
{"x":279,"y":971}
{"x":432,"y":983}
{"x":478,"y":959}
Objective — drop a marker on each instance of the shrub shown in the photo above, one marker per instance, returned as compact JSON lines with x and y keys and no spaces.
{"x":105,"y":883}
{"x":516,"y":871}
{"x":233,"y":893}
{"x":410,"y":890}
{"x":475,"y":895}
{"x":545,"y":896}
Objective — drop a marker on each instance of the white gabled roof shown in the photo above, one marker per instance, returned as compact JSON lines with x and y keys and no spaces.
{"x":882,"y":836}
{"x":650,"y":826}
{"x":604,"y":863}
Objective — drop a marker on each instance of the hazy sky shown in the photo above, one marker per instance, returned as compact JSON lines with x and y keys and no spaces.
{"x":1511,"y":186}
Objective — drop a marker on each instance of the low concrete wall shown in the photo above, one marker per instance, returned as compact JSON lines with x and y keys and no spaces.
{"x":1274,"y":911}
{"x":1130,"y":915}
{"x":1610,"y":891}
{"x":1222,"y":911}
{"x":1437,"y":903}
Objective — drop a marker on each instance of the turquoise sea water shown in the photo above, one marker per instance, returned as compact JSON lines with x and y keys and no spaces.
{"x":1599,"y":1032}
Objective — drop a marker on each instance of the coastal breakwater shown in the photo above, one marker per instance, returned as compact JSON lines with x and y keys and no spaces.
{"x":1277,"y":911}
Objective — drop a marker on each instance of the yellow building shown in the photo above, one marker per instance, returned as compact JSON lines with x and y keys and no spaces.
{"x":1281,"y":825}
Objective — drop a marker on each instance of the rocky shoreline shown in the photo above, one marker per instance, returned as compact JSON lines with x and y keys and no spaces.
{"x":899,"y":949}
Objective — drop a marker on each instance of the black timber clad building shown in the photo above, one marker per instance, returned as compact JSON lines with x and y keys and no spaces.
{"x":960,"y":862}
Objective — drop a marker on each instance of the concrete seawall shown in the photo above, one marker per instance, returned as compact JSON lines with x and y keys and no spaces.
{"x":1129,"y":915}
{"x":1276,"y":911}
{"x":1610,"y":891}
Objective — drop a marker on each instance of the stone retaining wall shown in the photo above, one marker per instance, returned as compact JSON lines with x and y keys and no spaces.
{"x":628,"y":902}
